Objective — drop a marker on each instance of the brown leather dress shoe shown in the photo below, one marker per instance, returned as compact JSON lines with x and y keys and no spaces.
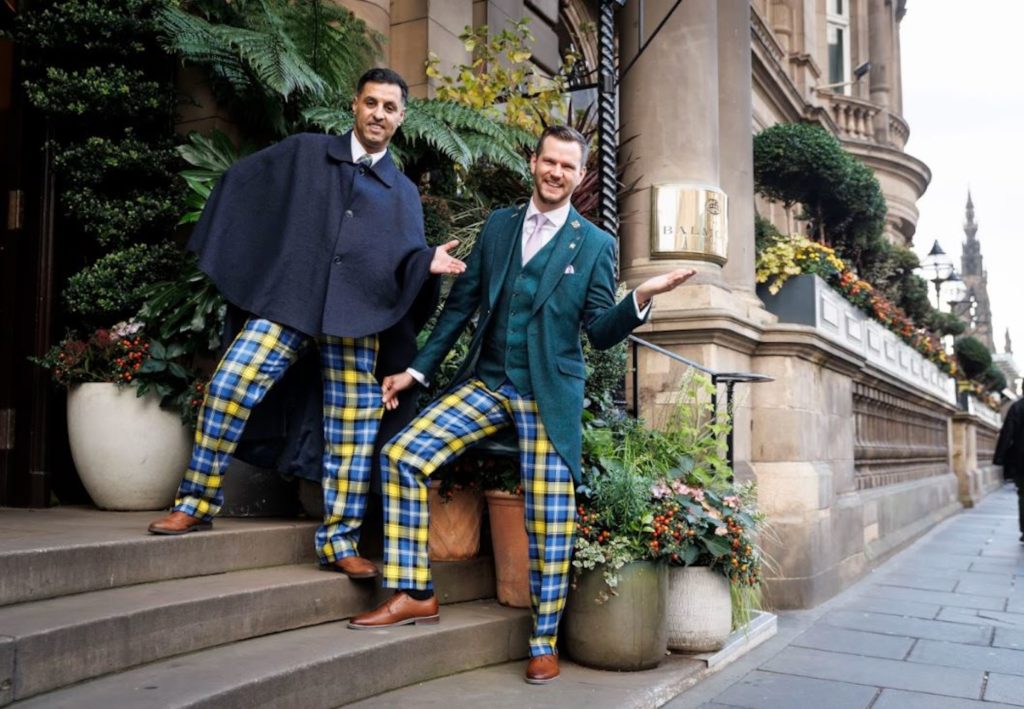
{"x":355,"y":567}
{"x":542,"y":669}
{"x":178,"y":523}
{"x":400,"y":609}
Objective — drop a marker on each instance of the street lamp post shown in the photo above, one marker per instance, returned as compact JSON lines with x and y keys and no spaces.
{"x":938,"y":268}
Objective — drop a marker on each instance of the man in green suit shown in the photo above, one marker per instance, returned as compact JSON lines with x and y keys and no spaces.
{"x":535,"y":276}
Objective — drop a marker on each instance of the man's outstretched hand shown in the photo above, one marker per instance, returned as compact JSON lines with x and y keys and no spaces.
{"x":443,"y":264}
{"x":392,"y":385}
{"x":662,"y":284}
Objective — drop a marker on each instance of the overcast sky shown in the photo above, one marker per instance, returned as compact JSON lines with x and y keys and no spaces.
{"x":963,"y":96}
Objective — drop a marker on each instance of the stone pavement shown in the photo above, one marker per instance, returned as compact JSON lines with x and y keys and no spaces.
{"x":939,"y":626}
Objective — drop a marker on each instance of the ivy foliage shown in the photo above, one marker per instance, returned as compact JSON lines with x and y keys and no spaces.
{"x":797,"y":163}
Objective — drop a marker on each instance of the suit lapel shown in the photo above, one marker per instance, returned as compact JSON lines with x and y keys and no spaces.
{"x":505,"y":244}
{"x":568,"y":243}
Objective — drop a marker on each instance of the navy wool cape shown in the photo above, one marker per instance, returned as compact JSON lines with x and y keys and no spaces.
{"x":300,"y":235}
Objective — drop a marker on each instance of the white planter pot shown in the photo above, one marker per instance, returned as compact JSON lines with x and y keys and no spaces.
{"x":699,"y":614}
{"x":130,"y":453}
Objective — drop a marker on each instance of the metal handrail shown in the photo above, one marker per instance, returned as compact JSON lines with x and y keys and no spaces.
{"x":730,"y":379}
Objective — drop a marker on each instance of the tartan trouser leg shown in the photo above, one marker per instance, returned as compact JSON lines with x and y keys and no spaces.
{"x":259,"y":356}
{"x":352,"y":411}
{"x":439,"y":434}
{"x":550,"y":520}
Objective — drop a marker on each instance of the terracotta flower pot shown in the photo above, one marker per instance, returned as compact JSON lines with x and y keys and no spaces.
{"x":699,"y":616}
{"x":130,"y":453}
{"x":511,"y":548}
{"x":454,"y":524}
{"x":625,"y":632}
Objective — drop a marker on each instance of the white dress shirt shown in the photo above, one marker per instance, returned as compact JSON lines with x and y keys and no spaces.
{"x":359,"y":151}
{"x":554,"y":220}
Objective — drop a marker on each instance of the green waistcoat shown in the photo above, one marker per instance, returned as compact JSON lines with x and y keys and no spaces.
{"x":504,"y":354}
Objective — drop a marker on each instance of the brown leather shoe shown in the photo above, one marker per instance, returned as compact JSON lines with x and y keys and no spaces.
{"x":400,"y":609}
{"x":542,"y":669}
{"x":355,"y":567}
{"x":178,"y":523}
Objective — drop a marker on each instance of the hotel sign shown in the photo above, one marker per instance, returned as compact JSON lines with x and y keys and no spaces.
{"x":689,"y":222}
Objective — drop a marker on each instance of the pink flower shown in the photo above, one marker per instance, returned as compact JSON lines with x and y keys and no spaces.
{"x":660,"y":490}
{"x":731,"y":501}
{"x":721,"y":531}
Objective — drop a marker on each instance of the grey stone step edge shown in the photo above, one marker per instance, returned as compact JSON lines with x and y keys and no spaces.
{"x":326,"y":665}
{"x":57,"y":642}
{"x":38,"y":573}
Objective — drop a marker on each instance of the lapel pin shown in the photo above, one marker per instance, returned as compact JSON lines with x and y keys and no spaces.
{"x":572,"y":245}
{"x":575,"y":224}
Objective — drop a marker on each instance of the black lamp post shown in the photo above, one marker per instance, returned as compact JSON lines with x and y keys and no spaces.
{"x":937,"y":267}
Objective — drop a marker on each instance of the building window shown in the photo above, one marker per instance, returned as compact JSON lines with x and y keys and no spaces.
{"x":838,"y":18}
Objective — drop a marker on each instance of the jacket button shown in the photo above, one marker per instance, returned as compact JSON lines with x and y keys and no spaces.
{"x":337,"y":259}
{"x":348,"y":213}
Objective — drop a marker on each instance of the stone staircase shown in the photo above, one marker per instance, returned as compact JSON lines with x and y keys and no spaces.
{"x":95,"y":612}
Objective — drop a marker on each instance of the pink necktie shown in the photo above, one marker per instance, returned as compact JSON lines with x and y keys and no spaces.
{"x":532,"y":241}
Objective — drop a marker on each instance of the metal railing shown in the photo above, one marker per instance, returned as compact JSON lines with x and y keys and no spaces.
{"x":729,"y":379}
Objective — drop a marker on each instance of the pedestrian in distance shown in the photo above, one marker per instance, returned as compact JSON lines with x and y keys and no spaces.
{"x":1010,"y":454}
{"x":536,"y":276}
{"x":320,"y":240}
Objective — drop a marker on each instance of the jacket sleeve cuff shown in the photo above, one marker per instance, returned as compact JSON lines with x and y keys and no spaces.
{"x":418,"y":376}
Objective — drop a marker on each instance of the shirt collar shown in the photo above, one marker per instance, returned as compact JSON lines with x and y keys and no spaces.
{"x":557,"y":217}
{"x":359,"y":151}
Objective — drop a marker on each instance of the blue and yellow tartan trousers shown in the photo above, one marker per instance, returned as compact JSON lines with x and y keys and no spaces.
{"x":441,"y":433}
{"x":259,"y":357}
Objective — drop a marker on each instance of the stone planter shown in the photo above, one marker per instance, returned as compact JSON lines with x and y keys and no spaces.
{"x":454,"y":524}
{"x":699,"y":609}
{"x":507,"y":513}
{"x":130,"y":453}
{"x":626,"y":632}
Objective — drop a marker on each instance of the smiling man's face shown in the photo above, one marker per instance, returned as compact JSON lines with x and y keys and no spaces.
{"x":557,"y":171}
{"x":378,"y":111}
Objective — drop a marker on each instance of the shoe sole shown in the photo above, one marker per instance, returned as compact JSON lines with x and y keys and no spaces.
{"x":201,"y":527}
{"x":530,"y":680}
{"x":425,"y":620}
{"x":359,"y":577}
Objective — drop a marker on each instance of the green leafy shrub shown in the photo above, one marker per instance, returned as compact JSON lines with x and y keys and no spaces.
{"x":113,"y":288}
{"x":798,"y":163}
{"x":993,"y":378}
{"x":100,"y":91}
{"x":972,"y":355}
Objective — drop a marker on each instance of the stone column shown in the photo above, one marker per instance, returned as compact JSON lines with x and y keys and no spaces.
{"x":880,"y":43}
{"x":735,"y":125}
{"x":669,"y":114}
{"x":418,"y":28}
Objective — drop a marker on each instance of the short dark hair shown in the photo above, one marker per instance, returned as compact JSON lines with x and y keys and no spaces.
{"x":569,"y":135}
{"x":383,"y":75}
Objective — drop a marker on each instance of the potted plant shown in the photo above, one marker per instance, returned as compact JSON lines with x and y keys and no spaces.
{"x":498,"y":472}
{"x":131,"y":403}
{"x":615,"y":614}
{"x":456,"y":511}
{"x":705,"y":525}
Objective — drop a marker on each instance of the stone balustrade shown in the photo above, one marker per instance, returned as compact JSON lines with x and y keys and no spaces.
{"x":854,"y":117}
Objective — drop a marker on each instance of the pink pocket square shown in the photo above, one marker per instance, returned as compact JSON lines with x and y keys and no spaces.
{"x":569,"y":270}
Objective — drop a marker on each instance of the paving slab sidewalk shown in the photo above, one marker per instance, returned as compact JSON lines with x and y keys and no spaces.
{"x":938,"y":626}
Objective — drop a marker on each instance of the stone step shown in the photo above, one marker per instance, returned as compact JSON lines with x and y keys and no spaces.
{"x":321,"y":666}
{"x":60,"y":641}
{"x":65,"y":550}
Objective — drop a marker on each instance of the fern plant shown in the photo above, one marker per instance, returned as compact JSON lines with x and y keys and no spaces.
{"x":270,"y":59}
{"x":442,"y":129}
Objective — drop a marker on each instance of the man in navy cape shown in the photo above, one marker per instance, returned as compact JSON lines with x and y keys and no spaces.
{"x":319,"y":239}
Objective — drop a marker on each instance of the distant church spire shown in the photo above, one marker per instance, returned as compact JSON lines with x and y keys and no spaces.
{"x":973,"y":273}
{"x":1008,"y":346}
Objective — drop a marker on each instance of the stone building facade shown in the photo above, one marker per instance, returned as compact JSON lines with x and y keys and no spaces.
{"x":856,"y":447}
